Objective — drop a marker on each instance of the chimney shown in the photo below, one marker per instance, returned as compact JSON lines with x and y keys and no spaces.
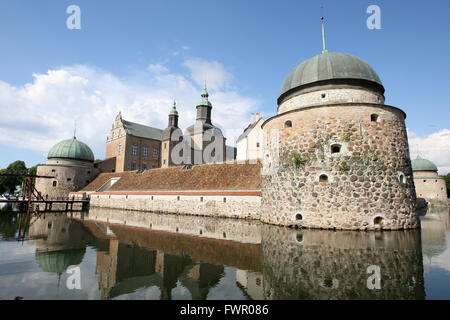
{"x":257,"y":117}
{"x":252,"y":119}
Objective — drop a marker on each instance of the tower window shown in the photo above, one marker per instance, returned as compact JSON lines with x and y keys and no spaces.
{"x":336,"y":148}
{"x":401,"y":178}
{"x":378,"y":221}
{"x":288,"y":124}
{"x":69,"y":179}
{"x":120,"y":149}
{"x":323,"y":178}
{"x":257,"y":144}
{"x":323,"y":95}
{"x":374,"y":117}
{"x":54,"y":183}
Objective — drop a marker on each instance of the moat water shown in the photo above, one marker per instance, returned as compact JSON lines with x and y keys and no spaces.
{"x":133,"y":255}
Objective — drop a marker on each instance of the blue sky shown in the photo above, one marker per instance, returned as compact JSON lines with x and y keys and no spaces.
{"x":159,"y":50}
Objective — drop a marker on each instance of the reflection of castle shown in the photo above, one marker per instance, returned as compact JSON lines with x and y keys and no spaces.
{"x":284,"y":264}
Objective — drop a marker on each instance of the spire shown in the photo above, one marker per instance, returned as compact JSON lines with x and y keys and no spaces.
{"x":324,"y":50}
{"x":75,"y":129}
{"x":205,"y":93}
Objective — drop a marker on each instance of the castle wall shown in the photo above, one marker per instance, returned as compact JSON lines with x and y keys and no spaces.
{"x":70,"y":176}
{"x":369,"y":181}
{"x":107,"y":165}
{"x":320,"y":96}
{"x":236,"y":204}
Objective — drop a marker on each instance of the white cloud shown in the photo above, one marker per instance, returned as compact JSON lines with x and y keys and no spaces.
{"x":185,"y":48}
{"x":213,"y":72}
{"x":434,"y":147}
{"x":41,"y":113}
{"x":157,"y":68}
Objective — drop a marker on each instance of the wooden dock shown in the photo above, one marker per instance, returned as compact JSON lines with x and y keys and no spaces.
{"x":48,"y":205}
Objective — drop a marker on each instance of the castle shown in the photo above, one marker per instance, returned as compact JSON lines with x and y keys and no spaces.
{"x":131,"y":146}
{"x":334,"y":157}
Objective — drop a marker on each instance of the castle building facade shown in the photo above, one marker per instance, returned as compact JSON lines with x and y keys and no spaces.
{"x":250,"y":142}
{"x":429,"y":185}
{"x":134,"y":146}
{"x":336,"y":156}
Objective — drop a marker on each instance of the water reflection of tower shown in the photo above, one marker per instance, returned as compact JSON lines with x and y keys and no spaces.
{"x":60,"y":243}
{"x":435,"y":226}
{"x":314,"y":264}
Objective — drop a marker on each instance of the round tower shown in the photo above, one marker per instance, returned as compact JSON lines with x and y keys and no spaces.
{"x":71,"y":163}
{"x":337,"y":157}
{"x":428,"y":183}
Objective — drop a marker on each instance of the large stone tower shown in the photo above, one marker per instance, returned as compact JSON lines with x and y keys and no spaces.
{"x":71,"y":163}
{"x":336,"y":156}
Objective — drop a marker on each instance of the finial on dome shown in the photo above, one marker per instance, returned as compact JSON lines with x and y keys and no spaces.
{"x":205,"y":92}
{"x":324,"y":50}
{"x":75,"y":129}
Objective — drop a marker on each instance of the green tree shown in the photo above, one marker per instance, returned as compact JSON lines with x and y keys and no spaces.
{"x":447,"y":182}
{"x":9,"y":184}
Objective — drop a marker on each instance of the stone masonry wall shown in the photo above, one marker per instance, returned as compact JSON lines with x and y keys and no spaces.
{"x":323,"y":96}
{"x":196,"y":203}
{"x":70,"y":176}
{"x":369,"y":181}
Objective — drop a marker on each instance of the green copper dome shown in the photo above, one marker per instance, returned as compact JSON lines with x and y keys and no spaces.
{"x":420,"y":164}
{"x":204,"y":100}
{"x":58,"y":261}
{"x":329,"y":66}
{"x":71,"y":149}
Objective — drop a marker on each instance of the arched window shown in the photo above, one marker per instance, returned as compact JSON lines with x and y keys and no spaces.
{"x":336,"y":148}
{"x":323,"y":178}
{"x":298,"y":217}
{"x":374,"y":117}
{"x":401,"y":178}
{"x":288,"y":124}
